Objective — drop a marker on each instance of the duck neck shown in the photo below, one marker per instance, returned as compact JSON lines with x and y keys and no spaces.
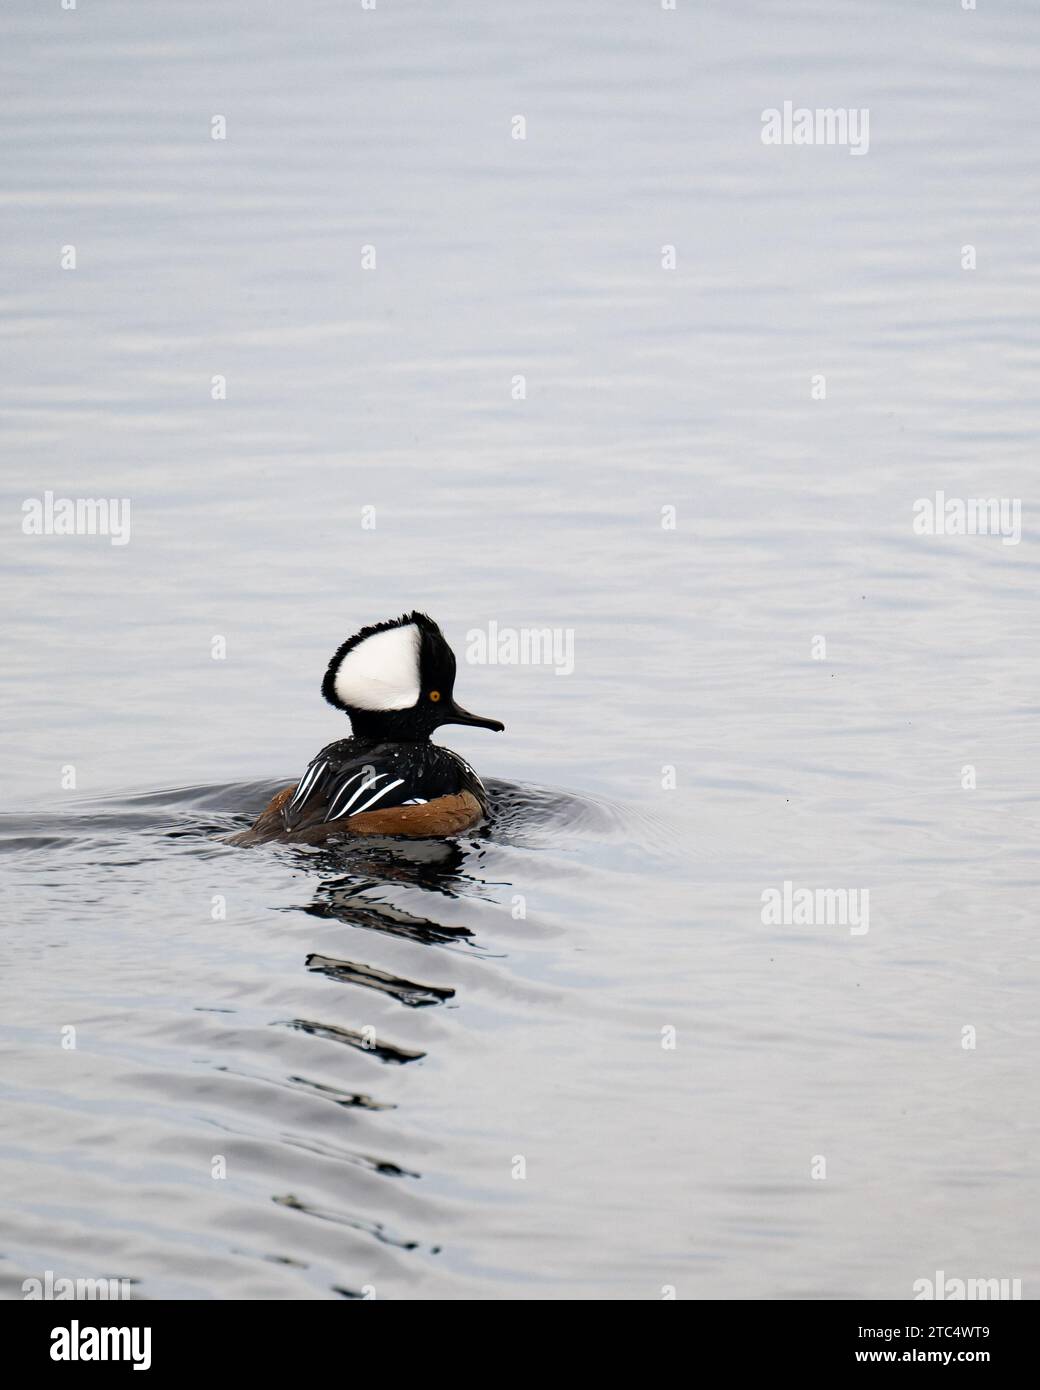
{"x":387,"y":726}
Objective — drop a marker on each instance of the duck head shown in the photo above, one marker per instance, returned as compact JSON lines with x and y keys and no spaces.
{"x":396,"y":680}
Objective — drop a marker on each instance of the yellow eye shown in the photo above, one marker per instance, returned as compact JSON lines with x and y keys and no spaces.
{"x":435,"y":695}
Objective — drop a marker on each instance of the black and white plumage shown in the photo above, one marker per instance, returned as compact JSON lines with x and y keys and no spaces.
{"x":354,"y":775}
{"x":396,"y":681}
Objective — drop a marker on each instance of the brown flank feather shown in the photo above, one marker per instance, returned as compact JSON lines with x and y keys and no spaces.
{"x":445,"y":815}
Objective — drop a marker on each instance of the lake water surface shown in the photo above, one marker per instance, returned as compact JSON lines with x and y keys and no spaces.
{"x":563,"y":1057}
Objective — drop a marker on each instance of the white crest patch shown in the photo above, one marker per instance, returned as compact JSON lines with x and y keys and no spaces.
{"x":382,"y":672}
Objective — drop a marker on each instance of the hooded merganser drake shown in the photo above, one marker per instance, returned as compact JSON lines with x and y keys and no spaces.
{"x":395,"y":681}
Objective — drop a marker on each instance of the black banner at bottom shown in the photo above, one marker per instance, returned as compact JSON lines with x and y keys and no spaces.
{"x":167,"y":1338}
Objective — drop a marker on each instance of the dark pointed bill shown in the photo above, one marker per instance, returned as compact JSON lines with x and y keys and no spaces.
{"x":455,"y":714}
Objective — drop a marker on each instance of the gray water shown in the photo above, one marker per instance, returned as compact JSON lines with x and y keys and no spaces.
{"x":522,"y":983}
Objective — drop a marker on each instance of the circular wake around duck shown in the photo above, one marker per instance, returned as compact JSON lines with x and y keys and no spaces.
{"x":519,"y":814}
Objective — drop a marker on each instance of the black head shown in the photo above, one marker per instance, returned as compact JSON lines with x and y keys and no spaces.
{"x":396,"y":681}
